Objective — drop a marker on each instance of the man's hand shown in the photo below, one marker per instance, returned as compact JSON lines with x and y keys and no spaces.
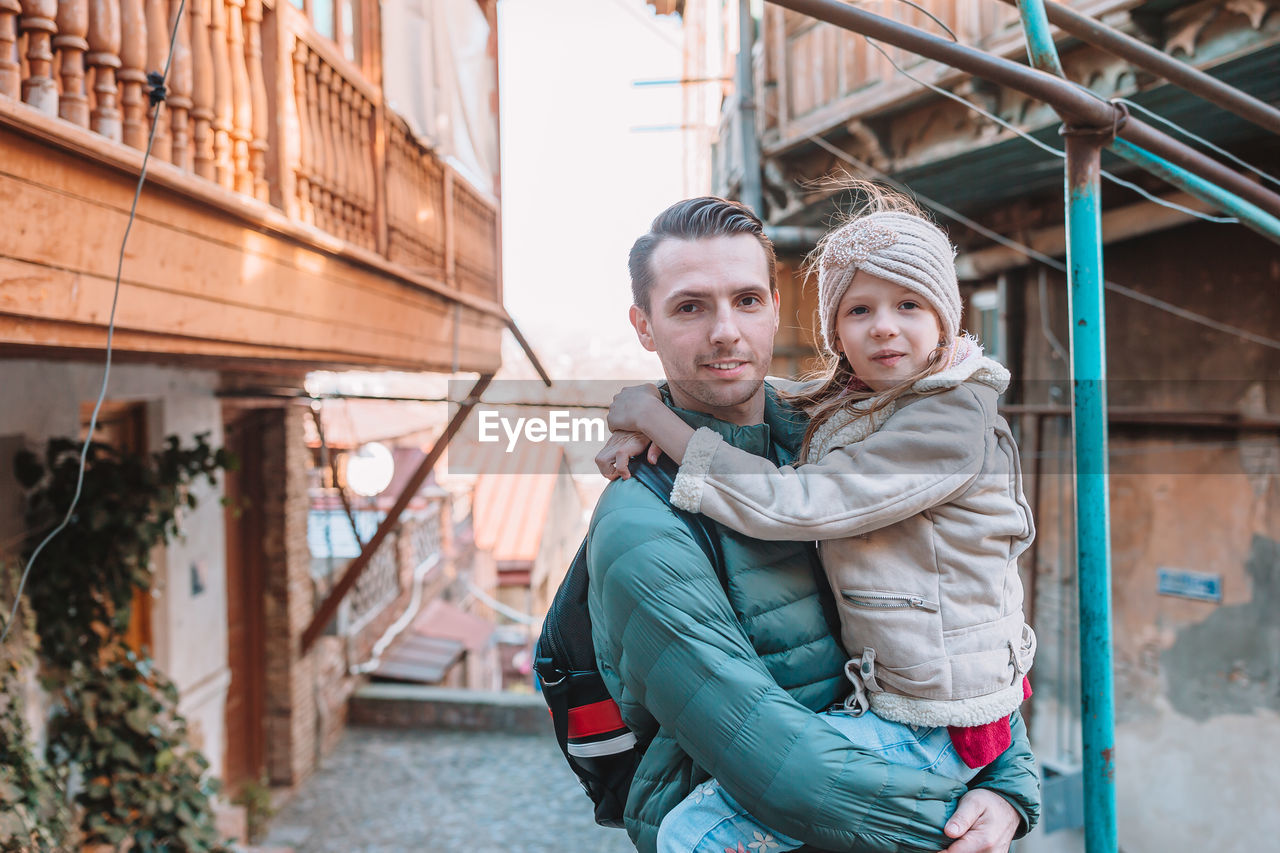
{"x":613,"y":457}
{"x":984,"y":822}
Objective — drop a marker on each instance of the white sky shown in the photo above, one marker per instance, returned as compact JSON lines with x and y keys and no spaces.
{"x":578,"y":184}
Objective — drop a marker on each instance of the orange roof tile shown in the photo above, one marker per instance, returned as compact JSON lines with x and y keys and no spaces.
{"x":512,"y":498}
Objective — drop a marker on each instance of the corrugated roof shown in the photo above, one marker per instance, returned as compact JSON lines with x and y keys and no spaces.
{"x":436,"y":639}
{"x":444,"y":621}
{"x":512,"y":498}
{"x":413,"y":657}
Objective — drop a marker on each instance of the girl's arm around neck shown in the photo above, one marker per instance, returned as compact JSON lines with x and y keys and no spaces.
{"x":638,"y":408}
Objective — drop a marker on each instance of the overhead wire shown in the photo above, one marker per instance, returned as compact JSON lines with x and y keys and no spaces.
{"x":1041,"y":257}
{"x":1044,"y":146}
{"x":1128,"y":103}
{"x":158,"y":98}
{"x":1222,"y":152}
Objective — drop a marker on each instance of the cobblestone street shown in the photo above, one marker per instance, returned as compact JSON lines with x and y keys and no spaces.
{"x":391,"y":791}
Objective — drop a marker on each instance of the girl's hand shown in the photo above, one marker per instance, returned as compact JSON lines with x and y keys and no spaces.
{"x":617,"y":452}
{"x":632,"y":408}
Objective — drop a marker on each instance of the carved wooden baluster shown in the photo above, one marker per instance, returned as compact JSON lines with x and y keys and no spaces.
{"x":258,"y":145}
{"x":394,"y":191}
{"x":241,"y":103}
{"x":366,"y":169}
{"x":306,"y":136}
{"x":320,"y":196}
{"x":10,"y":71}
{"x":180,"y":82}
{"x":202,"y":88}
{"x":104,"y":59}
{"x":346,"y":174}
{"x":338,"y":128}
{"x":157,"y":52}
{"x":133,"y":72}
{"x":222,"y":106}
{"x":71,"y":44}
{"x":327,"y":151}
{"x":39,"y":25}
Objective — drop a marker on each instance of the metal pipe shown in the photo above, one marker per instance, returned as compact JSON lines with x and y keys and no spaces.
{"x":1093,"y":533}
{"x":1147,"y":137}
{"x":1250,"y":216}
{"x":1087,"y":307}
{"x":752,"y":195}
{"x":1040,"y":47}
{"x":1077,"y":106}
{"x":1161,"y":64}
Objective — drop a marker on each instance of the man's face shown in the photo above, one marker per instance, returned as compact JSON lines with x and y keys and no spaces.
{"x":711,"y":320}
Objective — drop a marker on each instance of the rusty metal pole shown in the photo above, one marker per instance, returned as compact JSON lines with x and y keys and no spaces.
{"x":1087,"y":307}
{"x":1179,"y":73}
{"x":1093,"y":511}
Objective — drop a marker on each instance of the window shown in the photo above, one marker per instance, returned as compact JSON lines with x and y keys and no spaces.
{"x":336,"y":21}
{"x":986,"y":310}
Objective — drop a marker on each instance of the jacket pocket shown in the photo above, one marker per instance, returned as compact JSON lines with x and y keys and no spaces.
{"x":877,"y":600}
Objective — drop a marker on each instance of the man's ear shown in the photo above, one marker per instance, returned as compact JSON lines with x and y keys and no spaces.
{"x":777,"y":310}
{"x":640,"y":321}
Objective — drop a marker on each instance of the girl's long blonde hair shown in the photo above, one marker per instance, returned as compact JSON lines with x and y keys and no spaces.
{"x":838,"y":387}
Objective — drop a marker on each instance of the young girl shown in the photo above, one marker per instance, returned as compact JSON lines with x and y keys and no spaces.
{"x":910,"y":481}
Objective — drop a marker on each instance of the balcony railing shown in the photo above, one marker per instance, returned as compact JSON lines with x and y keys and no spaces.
{"x":260,"y":105}
{"x":817,"y":77}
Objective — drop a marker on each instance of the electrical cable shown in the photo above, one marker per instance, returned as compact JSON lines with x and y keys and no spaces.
{"x":1044,"y":146}
{"x":1200,"y":139}
{"x":1031,"y":253}
{"x":157,"y":95}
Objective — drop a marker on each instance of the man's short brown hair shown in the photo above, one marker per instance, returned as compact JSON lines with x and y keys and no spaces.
{"x":694,"y":219}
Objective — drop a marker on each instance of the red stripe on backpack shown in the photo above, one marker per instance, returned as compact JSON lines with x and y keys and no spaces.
{"x":595,"y":719}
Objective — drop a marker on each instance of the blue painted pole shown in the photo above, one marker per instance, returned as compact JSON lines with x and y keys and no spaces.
{"x":1089,"y":419}
{"x":1250,"y":215}
{"x":1093,"y":507}
{"x":1040,"y":47}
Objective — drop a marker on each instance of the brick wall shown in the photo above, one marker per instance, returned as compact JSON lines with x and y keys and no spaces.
{"x":291,"y":714}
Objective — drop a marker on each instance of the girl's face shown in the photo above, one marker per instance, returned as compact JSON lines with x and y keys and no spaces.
{"x":886,"y":331}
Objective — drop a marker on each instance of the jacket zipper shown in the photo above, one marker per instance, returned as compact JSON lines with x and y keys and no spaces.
{"x":888,"y":600}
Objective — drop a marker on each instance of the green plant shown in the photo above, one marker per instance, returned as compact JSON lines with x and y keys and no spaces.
{"x":118,"y":722}
{"x":255,"y":796}
{"x":35,"y":814}
{"x":115,"y":726}
{"x":82,"y":587}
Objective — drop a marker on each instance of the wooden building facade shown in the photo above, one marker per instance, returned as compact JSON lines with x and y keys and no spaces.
{"x":1193,"y":357}
{"x":290,"y":221}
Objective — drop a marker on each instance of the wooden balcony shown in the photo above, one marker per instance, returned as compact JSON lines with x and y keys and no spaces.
{"x":289,"y":217}
{"x":824,"y":75}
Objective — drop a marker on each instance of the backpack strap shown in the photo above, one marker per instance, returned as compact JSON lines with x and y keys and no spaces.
{"x":660,"y":479}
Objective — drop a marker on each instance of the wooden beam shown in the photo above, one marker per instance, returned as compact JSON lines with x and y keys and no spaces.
{"x":329,"y":606}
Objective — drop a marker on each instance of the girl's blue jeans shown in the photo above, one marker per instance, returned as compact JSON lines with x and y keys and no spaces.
{"x":710,"y":821}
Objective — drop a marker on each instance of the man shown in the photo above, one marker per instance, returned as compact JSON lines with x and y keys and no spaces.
{"x":727,"y":685}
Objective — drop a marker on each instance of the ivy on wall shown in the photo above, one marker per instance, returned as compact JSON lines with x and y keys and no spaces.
{"x":115,"y":728}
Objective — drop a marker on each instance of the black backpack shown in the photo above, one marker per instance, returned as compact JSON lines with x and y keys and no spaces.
{"x":599,"y":747}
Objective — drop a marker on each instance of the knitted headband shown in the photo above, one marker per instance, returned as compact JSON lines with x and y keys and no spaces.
{"x":898,"y":247}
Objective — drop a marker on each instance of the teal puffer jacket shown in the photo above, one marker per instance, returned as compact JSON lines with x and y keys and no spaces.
{"x":727,"y":686}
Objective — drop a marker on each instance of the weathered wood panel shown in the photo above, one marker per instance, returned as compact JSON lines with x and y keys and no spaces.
{"x":269,"y":122}
{"x":198,"y":274}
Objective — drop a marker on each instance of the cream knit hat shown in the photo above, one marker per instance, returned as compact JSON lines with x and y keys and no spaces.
{"x":899,"y":247}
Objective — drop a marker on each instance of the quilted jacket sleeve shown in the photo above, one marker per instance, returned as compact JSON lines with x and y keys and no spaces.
{"x":1016,"y":777}
{"x":926,"y":453}
{"x":667,"y":637}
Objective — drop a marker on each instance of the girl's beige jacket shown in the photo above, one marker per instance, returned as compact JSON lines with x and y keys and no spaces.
{"x":920,"y":518}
